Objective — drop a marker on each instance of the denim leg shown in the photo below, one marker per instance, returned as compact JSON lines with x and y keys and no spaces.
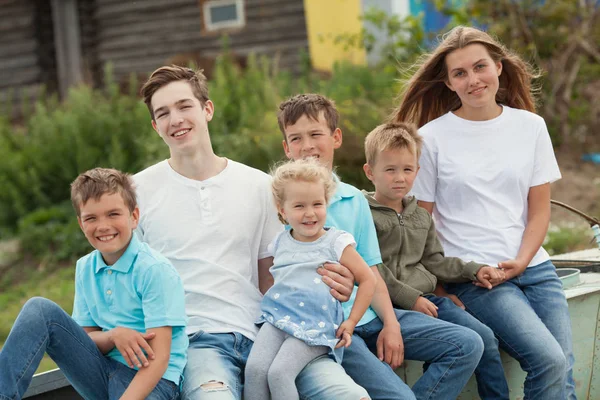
{"x":121,"y":376}
{"x":452,"y":352}
{"x":491,"y":382}
{"x":521,"y":333}
{"x":545,"y":293}
{"x":324,"y":379}
{"x":377,"y":377}
{"x":42,"y":326}
{"x":215,"y":366}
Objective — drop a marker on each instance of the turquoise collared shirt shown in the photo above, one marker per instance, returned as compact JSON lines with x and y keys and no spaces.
{"x":349,"y":211}
{"x":142,"y":290}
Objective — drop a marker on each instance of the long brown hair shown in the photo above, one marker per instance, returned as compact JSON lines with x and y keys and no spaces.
{"x":426,"y":96}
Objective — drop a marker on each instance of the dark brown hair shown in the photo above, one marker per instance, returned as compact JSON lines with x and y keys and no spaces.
{"x":95,"y":183}
{"x":165,"y":75}
{"x":310,"y":104}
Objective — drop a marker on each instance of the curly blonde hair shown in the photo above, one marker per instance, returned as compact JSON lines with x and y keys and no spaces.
{"x":307,"y":170}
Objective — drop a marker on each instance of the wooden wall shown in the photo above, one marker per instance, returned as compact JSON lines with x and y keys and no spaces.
{"x":27,"y":58}
{"x":137,"y":36}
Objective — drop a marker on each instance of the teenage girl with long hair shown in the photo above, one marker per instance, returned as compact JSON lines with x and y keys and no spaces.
{"x":485,"y":174}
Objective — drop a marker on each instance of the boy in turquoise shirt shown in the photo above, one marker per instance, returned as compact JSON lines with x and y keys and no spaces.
{"x":126,"y":339}
{"x":309,"y":124}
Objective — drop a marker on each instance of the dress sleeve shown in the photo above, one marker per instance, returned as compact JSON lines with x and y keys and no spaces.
{"x":545,"y":167}
{"x":424,"y":188}
{"x":343,"y":241}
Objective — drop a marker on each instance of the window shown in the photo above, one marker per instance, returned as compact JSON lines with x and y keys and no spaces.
{"x":223,"y":14}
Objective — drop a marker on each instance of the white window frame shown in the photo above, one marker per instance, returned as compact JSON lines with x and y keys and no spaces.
{"x":213,"y":26}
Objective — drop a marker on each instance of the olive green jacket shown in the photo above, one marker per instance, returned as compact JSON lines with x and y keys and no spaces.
{"x":413,"y":257}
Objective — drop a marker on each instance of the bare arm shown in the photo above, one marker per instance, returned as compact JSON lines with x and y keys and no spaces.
{"x":128,"y":341}
{"x":538,"y":219}
{"x":366,"y":282}
{"x":146,"y":378}
{"x":265,"y":279}
{"x":390,"y":346}
{"x":427,"y":205}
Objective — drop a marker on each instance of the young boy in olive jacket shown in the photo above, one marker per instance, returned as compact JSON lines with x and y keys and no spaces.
{"x":413,"y":258}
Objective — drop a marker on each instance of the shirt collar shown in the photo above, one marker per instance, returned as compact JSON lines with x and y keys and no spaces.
{"x":343,"y":191}
{"x":125,"y":262}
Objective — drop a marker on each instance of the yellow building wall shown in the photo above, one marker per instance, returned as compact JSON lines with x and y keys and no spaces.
{"x":326,"y":19}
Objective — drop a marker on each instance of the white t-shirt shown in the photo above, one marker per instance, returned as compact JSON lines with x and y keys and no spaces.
{"x":478,"y":174}
{"x":214,"y":232}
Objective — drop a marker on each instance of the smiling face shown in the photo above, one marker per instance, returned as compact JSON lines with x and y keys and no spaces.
{"x":305,"y":209}
{"x":393,"y":175}
{"x":310,"y":138}
{"x":473,"y":76}
{"x":108,"y":225}
{"x":180,"y":118}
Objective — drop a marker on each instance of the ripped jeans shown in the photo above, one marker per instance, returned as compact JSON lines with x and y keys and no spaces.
{"x":215,"y":371}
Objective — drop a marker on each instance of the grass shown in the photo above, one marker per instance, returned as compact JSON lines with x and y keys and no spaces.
{"x":57,"y":285}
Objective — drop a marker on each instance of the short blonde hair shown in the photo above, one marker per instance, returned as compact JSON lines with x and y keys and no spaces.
{"x":95,"y":183}
{"x":308,"y":170}
{"x":396,"y":135}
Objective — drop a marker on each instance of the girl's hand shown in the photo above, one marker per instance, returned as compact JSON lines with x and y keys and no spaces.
{"x":425,"y":306}
{"x":390,"y":346}
{"x":345,"y":332}
{"x":512,"y":268}
{"x":488,"y":277}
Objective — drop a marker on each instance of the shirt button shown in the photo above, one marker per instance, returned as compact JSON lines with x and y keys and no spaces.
{"x":109,"y":292}
{"x":110,"y":271}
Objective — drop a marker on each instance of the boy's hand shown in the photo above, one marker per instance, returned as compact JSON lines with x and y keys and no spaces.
{"x":390,"y":346}
{"x":339,"y":279}
{"x":345,"y":332}
{"x":488,"y":277}
{"x":130,"y":344}
{"x":425,"y":306}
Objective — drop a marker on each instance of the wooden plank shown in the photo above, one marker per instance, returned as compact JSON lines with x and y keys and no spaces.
{"x":18,"y":48}
{"x":21,"y":22}
{"x":123,"y":7}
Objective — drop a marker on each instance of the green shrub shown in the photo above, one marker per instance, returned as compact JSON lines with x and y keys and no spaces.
{"x":562,"y":239}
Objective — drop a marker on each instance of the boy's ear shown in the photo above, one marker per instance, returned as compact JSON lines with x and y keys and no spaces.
{"x":286,"y":149}
{"x":368,"y":171}
{"x":337,"y":138}
{"x":209,"y":110}
{"x":135,"y":216}
{"x":154,"y":126}
{"x":80,"y":224}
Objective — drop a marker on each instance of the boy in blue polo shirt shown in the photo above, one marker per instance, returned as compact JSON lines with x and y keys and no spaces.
{"x":126,"y":339}
{"x":309,"y":123}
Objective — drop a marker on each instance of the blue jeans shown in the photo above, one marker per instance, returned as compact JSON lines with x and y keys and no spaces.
{"x":215,"y":371}
{"x":452,"y":352}
{"x":42,"y":326}
{"x":491,"y":382}
{"x":530,"y":317}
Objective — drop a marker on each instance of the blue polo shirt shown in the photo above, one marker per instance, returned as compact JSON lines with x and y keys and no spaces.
{"x":142,"y":290}
{"x":349,"y":211}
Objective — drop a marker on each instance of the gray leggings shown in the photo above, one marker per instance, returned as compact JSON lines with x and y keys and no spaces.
{"x":274,"y":362}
